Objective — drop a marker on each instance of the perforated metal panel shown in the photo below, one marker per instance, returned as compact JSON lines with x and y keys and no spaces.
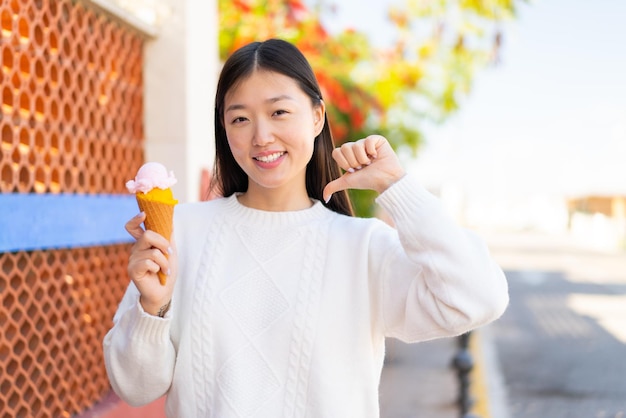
{"x":71,"y":107}
{"x":56,"y":309}
{"x":70,"y":122}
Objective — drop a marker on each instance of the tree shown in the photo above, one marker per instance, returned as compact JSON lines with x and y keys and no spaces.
{"x":394,"y":90}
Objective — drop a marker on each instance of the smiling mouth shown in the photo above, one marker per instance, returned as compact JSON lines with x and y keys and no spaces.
{"x":269,"y":158}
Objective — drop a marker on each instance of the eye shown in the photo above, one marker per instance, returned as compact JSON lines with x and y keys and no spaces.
{"x":280,"y":112}
{"x":239,"y":119}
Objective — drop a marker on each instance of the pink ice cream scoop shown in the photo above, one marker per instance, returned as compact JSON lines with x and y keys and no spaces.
{"x":151,"y":175}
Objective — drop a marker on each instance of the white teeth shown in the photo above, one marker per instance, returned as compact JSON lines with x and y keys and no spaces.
{"x":270,"y":158}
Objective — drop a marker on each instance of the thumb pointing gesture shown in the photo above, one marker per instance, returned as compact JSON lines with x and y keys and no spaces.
{"x":369,"y":163}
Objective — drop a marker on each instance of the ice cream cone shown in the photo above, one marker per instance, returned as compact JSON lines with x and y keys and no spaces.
{"x":159,"y":212}
{"x":155,"y":198}
{"x":159,"y":209}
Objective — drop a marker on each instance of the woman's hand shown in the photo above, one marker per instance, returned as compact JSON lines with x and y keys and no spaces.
{"x":151,"y":253}
{"x":370,"y":163}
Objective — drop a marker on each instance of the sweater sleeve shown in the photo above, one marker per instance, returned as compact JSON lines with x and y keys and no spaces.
{"x":440,"y":280}
{"x":138,"y":353}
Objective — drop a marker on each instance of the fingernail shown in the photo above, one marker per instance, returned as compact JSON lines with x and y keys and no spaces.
{"x":168,"y":272}
{"x":359,"y":167}
{"x":350,"y":170}
{"x":139,"y":215}
{"x":328,"y":199}
{"x":170,"y":250}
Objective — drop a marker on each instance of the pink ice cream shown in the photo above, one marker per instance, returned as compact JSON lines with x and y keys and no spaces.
{"x":150,"y":176}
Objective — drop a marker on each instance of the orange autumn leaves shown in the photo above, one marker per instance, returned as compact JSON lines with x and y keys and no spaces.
{"x":333,"y":57}
{"x":396,"y":90}
{"x":420,"y":78}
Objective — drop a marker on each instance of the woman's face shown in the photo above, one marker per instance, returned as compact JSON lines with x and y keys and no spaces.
{"x":271,"y":125}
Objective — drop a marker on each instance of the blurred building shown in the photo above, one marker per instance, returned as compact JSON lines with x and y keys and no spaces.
{"x":599,"y":220}
{"x":90,"y":89}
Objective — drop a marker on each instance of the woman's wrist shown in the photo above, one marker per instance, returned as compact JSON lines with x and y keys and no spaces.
{"x":156,"y":309}
{"x":163,"y":309}
{"x":389,"y":181}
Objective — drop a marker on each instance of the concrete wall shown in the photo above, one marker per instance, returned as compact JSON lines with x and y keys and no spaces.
{"x":181,"y":68}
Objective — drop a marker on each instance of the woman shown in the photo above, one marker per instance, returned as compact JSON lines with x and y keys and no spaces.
{"x":279,"y":301}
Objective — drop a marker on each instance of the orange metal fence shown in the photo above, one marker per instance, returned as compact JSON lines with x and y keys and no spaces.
{"x":71,"y":84}
{"x":70,"y":122}
{"x":56,"y":308}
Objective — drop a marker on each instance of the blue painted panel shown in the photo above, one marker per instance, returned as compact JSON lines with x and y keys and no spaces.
{"x":36,"y":221}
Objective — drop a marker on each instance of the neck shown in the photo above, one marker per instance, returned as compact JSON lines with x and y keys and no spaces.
{"x":275,"y":200}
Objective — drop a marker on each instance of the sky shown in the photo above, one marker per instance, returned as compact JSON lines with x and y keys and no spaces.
{"x":549,"y":120}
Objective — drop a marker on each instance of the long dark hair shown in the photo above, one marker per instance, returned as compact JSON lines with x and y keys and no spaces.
{"x":281,"y":57}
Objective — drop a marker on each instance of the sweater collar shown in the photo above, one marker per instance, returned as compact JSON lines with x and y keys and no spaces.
{"x":249,"y":215}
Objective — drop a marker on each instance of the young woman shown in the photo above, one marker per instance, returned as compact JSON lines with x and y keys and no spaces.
{"x":278,"y":301}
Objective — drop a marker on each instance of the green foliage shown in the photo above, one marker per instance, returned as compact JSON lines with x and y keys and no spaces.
{"x":363,"y":202}
{"x":394,"y":90}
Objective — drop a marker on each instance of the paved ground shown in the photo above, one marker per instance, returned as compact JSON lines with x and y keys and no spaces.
{"x":562,"y":342}
{"x":556,"y":360}
{"x":418,"y":382}
{"x":558,"y":352}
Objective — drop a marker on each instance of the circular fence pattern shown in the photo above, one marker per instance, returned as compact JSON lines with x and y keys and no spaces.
{"x":71,"y":99}
{"x":71,"y":121}
{"x":56,"y":308}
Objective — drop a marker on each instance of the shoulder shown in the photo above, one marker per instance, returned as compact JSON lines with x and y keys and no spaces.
{"x":191,"y":208}
{"x":359,"y":227}
{"x":192,"y":213}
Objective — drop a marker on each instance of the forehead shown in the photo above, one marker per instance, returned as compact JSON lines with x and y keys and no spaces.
{"x":263,"y":84}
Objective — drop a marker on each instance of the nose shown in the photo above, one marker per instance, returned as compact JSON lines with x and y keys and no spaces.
{"x":262,"y":134}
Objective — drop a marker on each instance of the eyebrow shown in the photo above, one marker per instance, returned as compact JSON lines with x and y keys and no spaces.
{"x":269,"y":101}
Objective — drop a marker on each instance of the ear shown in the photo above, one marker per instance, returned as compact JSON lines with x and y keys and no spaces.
{"x":319,"y":116}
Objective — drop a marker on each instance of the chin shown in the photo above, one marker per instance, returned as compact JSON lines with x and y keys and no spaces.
{"x":269,"y":185}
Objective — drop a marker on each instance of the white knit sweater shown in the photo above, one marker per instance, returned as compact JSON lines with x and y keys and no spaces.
{"x":285,"y":314}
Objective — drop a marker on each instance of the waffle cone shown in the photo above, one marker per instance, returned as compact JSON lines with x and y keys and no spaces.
{"x":159,"y":216}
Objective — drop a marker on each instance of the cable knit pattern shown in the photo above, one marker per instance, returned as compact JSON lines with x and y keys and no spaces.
{"x":303,"y":335}
{"x":204,"y":381}
{"x":285,"y":314}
